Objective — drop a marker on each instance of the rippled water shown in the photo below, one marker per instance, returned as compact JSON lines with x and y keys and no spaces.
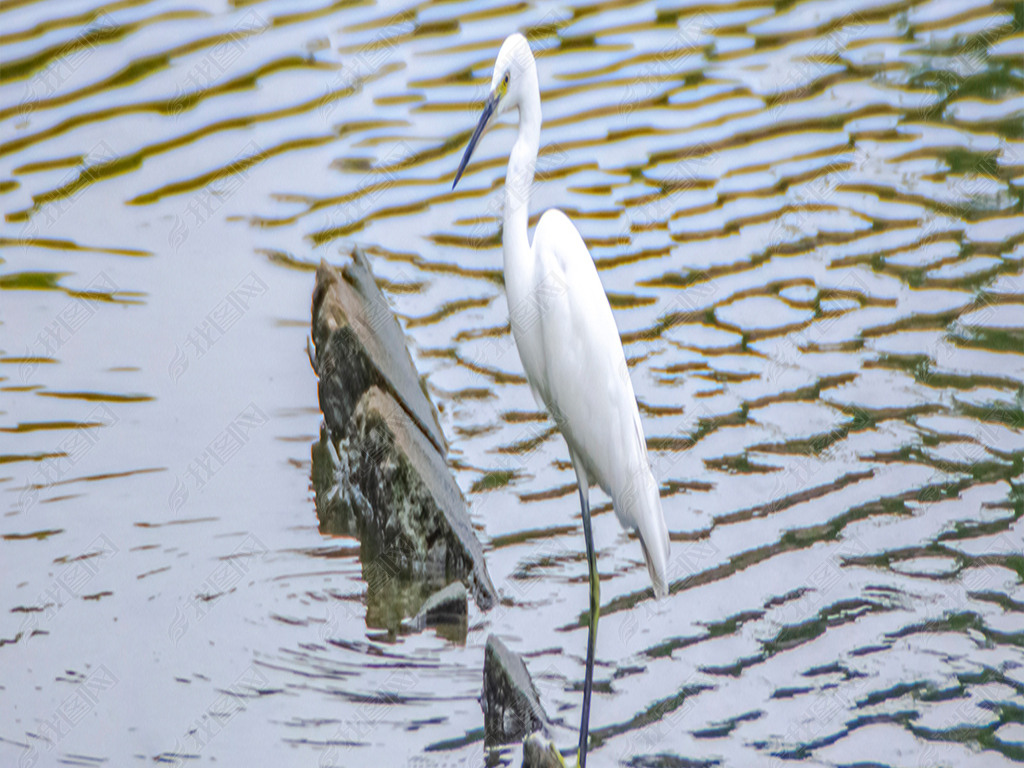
{"x":808,"y":216}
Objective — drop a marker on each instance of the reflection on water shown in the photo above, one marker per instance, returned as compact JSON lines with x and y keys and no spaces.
{"x":808,"y":218}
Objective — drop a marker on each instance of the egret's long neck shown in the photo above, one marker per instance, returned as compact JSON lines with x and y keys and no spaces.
{"x":519,"y":179}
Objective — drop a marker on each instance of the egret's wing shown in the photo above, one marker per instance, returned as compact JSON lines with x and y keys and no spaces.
{"x":586,"y":384}
{"x":581,"y":374}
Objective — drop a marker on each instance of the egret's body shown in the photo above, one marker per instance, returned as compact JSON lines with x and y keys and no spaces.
{"x":569,"y":344}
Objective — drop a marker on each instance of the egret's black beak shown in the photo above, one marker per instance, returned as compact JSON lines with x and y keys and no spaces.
{"x":489,"y":107}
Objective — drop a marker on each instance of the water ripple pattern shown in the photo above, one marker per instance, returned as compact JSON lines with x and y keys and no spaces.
{"x":809,"y":218}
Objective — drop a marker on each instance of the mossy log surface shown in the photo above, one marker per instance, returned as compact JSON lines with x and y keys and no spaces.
{"x":359,"y":344}
{"x":512,"y":709}
{"x":379,"y":471}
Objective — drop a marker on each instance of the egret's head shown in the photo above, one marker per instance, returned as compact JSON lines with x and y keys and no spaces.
{"x":514,"y":72}
{"x":513,"y":86}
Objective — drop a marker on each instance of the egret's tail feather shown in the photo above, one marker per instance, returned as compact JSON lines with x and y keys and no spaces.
{"x":642,"y":510}
{"x":658,"y":576}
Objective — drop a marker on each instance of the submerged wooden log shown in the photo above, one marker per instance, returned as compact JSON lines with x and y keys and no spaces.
{"x":359,"y":344}
{"x":512,"y":709}
{"x":446,"y":611}
{"x":540,"y":752}
{"x":378,"y":469}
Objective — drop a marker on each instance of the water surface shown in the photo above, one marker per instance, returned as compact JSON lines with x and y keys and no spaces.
{"x":808,"y":217}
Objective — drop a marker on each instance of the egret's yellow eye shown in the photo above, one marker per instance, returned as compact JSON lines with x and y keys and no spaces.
{"x":503,"y":88}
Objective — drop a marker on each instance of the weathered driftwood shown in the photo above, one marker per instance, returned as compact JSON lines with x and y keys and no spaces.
{"x":512,"y":709}
{"x":359,"y":344}
{"x":378,"y":469}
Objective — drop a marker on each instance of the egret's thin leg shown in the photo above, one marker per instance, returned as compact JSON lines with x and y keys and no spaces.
{"x":595,"y":611}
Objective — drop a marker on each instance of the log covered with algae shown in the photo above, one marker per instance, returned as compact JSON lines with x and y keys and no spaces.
{"x":512,"y":708}
{"x":379,"y":470}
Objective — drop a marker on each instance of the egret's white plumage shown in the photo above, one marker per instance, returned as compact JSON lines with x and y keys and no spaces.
{"x":575,"y":364}
{"x":568,"y":341}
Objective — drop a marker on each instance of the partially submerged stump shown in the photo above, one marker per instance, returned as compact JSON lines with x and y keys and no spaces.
{"x":378,"y":469}
{"x":540,"y":752}
{"x":359,"y":344}
{"x":446,"y":611}
{"x":512,"y":709}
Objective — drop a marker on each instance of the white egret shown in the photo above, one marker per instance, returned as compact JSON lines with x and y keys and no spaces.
{"x":569,"y":344}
